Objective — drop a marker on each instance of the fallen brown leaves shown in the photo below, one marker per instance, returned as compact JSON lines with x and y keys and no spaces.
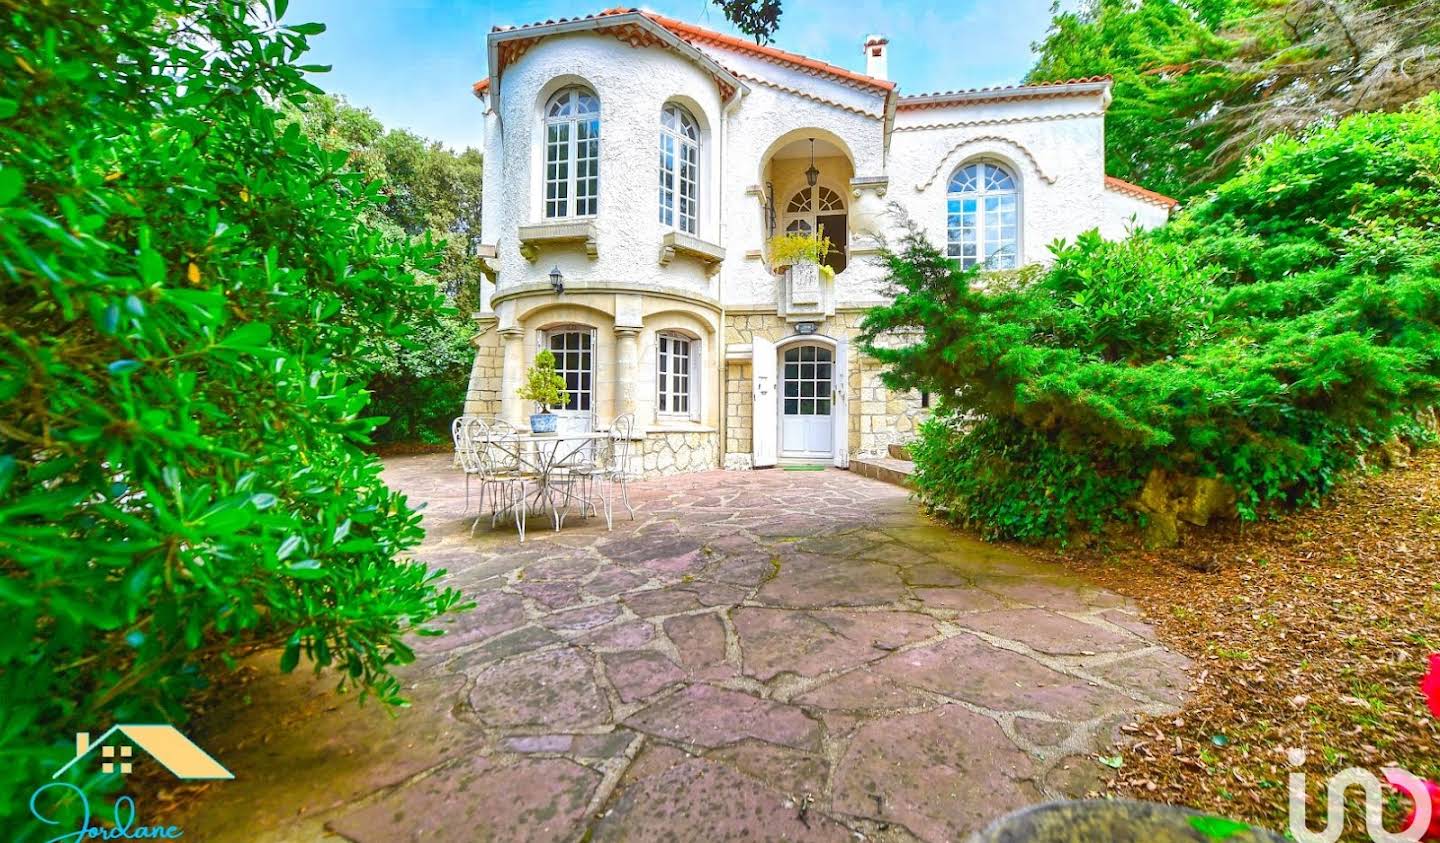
{"x":1308,"y":634}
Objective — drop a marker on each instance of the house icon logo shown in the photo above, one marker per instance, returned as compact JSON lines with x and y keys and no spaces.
{"x":160,"y":741}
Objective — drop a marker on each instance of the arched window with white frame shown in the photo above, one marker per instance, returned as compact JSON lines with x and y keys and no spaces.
{"x":982,"y":216}
{"x":572,"y":154}
{"x":679,"y":170}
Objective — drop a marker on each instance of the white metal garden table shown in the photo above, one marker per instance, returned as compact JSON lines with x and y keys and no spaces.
{"x":543,"y":454}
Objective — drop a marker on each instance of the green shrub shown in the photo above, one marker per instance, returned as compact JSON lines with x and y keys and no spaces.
{"x":191,"y":308}
{"x":1006,"y":480}
{"x":1269,"y":335}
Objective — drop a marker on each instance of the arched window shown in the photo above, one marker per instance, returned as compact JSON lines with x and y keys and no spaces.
{"x":572,"y":154}
{"x":679,"y":170}
{"x":982,"y":217}
{"x":819,"y":209}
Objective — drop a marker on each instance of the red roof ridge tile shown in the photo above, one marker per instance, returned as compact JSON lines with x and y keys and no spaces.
{"x":683,"y":29}
{"x":1002,"y":89}
{"x":1122,"y":186}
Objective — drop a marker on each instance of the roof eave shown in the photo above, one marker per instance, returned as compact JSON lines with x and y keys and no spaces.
{"x":1018,"y":92}
{"x":605,"y":22}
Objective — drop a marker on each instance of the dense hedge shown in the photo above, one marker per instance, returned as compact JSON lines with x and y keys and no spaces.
{"x":1268,"y":335}
{"x":191,"y":308}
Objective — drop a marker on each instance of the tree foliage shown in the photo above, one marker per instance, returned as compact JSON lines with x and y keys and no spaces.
{"x":1268,"y":336}
{"x":1199,"y":84}
{"x":757,"y":18}
{"x":194,"y":299}
{"x":431,"y":194}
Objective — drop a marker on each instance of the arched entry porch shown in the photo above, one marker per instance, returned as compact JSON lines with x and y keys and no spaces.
{"x":807,"y":173}
{"x":801,"y":406}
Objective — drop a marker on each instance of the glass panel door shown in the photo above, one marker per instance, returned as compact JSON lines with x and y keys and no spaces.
{"x":806,"y":376}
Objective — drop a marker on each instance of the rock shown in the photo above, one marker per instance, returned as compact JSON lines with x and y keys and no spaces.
{"x":1168,"y":499}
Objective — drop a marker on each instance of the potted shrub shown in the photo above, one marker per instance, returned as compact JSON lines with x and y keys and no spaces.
{"x":799,"y":249}
{"x":545,"y":387}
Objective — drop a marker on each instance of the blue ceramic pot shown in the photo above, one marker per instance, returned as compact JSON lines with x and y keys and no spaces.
{"x":543,"y":422}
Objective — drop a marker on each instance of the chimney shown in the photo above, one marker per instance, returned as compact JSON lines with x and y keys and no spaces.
{"x":82,"y":743}
{"x":877,"y":56}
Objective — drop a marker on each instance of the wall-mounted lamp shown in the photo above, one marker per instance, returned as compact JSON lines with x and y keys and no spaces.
{"x":557,"y":280}
{"x":812,"y":175}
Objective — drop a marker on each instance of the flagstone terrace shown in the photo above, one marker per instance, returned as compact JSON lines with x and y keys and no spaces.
{"x":758,"y":655}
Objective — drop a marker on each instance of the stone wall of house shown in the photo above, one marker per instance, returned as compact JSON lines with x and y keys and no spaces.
{"x":739,"y":402}
{"x":482,"y":397}
{"x":675,"y":452}
{"x":878,"y":417}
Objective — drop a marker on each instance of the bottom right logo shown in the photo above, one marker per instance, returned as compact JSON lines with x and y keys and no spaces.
{"x":1416,"y":824}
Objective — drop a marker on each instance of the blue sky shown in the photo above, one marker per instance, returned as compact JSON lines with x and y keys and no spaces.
{"x":412,"y":61}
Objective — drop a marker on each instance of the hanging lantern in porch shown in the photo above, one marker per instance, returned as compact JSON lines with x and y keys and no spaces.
{"x":812,"y":175}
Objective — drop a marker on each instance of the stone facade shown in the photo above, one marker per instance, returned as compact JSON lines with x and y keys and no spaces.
{"x":671,"y":452}
{"x":632,"y":282}
{"x":878,"y":417}
{"x":482,"y":397}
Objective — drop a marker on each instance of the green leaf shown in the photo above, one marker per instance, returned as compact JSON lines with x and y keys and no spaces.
{"x":290,"y":658}
{"x":11,"y":184}
{"x":152,"y":266}
{"x":307,"y":28}
{"x":251,"y":335}
{"x":1218,"y":828}
{"x":8,"y":108}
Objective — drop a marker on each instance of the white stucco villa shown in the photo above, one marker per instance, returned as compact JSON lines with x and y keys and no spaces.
{"x":643,"y":163}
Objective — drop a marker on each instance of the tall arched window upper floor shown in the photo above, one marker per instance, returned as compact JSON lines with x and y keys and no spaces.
{"x":572,"y":154}
{"x":982,"y":216}
{"x":679,"y":195}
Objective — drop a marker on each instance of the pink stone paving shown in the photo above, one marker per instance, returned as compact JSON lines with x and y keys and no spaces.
{"x":757,"y":656}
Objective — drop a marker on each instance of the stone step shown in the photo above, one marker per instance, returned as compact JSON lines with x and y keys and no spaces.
{"x":886,"y":469}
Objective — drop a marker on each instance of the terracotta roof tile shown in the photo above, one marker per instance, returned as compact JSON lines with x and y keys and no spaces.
{"x":691,"y":32}
{"x":998,"y":92}
{"x":1135,"y":190}
{"x":699,"y":33}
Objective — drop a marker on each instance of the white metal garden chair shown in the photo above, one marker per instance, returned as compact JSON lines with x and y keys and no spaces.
{"x":614,"y":466}
{"x":466,"y":456}
{"x":501,"y":474}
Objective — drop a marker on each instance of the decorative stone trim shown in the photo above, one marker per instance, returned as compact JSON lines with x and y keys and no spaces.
{"x":677,"y":242}
{"x":1009,"y":93}
{"x":533,"y":237}
{"x":879,"y":184}
{"x":809,"y":96}
{"x":1007,"y":142}
{"x":999,"y":121}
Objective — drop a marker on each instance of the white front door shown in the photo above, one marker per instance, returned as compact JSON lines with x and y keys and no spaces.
{"x":574,"y":351}
{"x":806,"y":402}
{"x":762,"y":390}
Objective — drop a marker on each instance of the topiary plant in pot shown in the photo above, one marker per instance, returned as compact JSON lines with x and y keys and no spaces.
{"x":545,"y":387}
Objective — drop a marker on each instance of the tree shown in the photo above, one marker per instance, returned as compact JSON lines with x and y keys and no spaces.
{"x":194,"y":301}
{"x":757,"y":18}
{"x":431,"y":194}
{"x":1164,"y":59}
{"x":1199,"y":85}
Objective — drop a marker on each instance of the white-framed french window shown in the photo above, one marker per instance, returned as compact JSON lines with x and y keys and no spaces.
{"x":679,"y":170}
{"x":677,"y":375}
{"x":982,"y":216}
{"x":572,"y":154}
